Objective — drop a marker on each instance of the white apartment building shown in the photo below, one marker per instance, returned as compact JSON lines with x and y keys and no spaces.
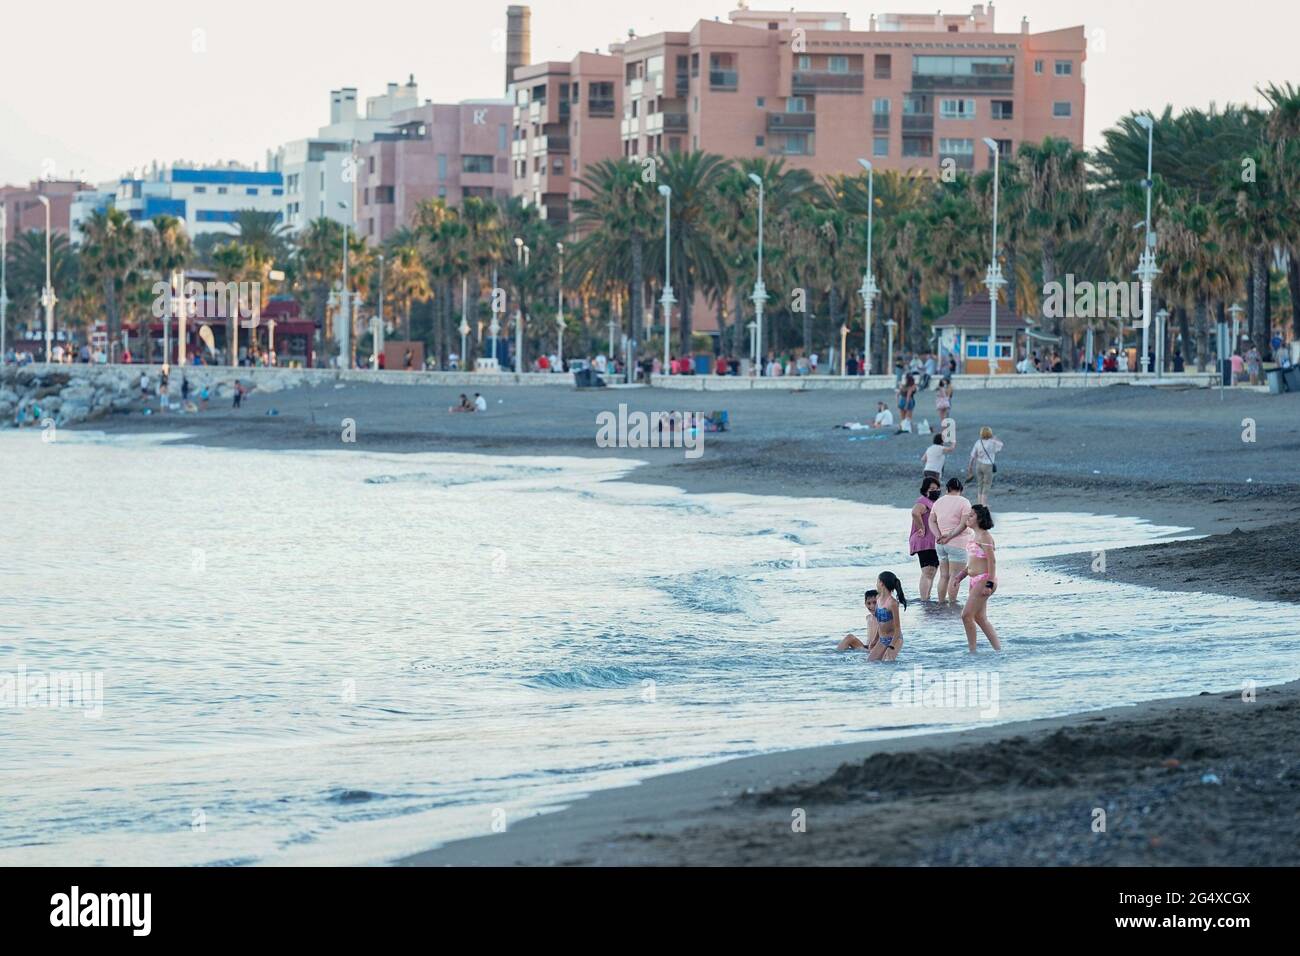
{"x":320,"y":172}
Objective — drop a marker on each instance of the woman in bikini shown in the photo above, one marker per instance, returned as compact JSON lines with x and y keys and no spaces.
{"x":889,"y":627}
{"x":906,"y":404}
{"x":982,"y":568}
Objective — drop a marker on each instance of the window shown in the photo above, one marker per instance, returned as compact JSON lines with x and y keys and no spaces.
{"x":884,"y":66}
{"x":383,"y":194}
{"x":502,"y":137}
{"x":838,"y":64}
{"x":251,"y":191}
{"x":221,"y":190}
{"x":695,"y":64}
{"x":1064,"y":67}
{"x":1002,"y":109}
{"x":442,"y":165}
{"x":797,"y":144}
{"x":957,"y":147}
{"x":372,"y":165}
{"x":761,"y":102}
{"x":760,"y":141}
{"x":722,"y":71}
{"x":1061,"y":109}
{"x":796,"y":104}
{"x":600,"y":99}
{"x":957,"y":109}
{"x":1038,"y":67}
{"x":1004,"y":149}
{"x":880,"y":113}
{"x":979,"y":348}
{"x":476,"y":164}
{"x":918,"y":145}
{"x":804,"y":62}
{"x":880,"y":146}
{"x":200,"y":189}
{"x":557,"y":166}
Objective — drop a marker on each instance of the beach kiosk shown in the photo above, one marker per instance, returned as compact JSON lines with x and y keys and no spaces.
{"x":964,"y":332}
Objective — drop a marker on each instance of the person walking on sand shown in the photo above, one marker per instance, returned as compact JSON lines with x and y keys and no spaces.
{"x":906,"y":404}
{"x":943,"y":400}
{"x":948,"y":522}
{"x":920,"y":541}
{"x":983,"y":578}
{"x":239,"y":394}
{"x":852,"y":642}
{"x":890,"y":604}
{"x":934,"y":456}
{"x":983,"y":462}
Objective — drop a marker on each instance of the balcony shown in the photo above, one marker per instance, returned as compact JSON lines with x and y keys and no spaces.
{"x":726,"y":81}
{"x":961,"y":84}
{"x":676,"y":122}
{"x":518,"y":149}
{"x":629,"y":126}
{"x":552,"y":144}
{"x":535,"y":109}
{"x":964,"y":161}
{"x":800,"y":144}
{"x":880,"y":122}
{"x":683,"y":86}
{"x":564,"y":111}
{"x":634,"y":88}
{"x":824,"y":81}
{"x":918,"y":122}
{"x":792,"y":122}
{"x":600,"y":108}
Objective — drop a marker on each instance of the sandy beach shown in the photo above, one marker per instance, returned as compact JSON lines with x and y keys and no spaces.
{"x":1206,"y":779}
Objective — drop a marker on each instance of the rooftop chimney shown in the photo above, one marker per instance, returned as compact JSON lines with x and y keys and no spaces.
{"x":519,"y":41}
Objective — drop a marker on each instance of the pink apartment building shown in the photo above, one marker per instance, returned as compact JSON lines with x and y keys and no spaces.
{"x":435,"y":151}
{"x":566,"y":116}
{"x":24,"y":211}
{"x":910,"y":92}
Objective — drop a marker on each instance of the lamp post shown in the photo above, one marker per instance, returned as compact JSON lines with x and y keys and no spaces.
{"x":611,"y":337}
{"x":667,"y":299}
{"x":494,"y":328}
{"x":522,"y":254}
{"x":1147,"y":269}
{"x":47,"y":294}
{"x":345,"y":301}
{"x":993,"y":278}
{"x":844,"y":337}
{"x":559,"y":318}
{"x":4,"y":288}
{"x":1235,"y":311}
{"x":759,"y":298}
{"x":869,"y":288}
{"x":891,"y":325}
{"x":378,"y":339}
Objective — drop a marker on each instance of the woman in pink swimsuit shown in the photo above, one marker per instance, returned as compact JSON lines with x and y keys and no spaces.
{"x":981,"y":566}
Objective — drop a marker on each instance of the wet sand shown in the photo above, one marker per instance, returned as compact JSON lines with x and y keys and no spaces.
{"x":1201,"y":780}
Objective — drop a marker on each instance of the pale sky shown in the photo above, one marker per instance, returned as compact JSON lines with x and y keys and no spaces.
{"x":93,"y":89}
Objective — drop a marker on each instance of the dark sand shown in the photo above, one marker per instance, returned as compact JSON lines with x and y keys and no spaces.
{"x":1206,"y":780}
{"x":1010,"y":794}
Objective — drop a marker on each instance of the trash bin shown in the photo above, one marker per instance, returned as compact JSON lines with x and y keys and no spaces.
{"x":1275,"y":385}
{"x":1292,"y":378}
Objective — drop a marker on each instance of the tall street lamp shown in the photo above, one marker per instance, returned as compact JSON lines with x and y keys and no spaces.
{"x":993,"y":279}
{"x":890,"y":324}
{"x":869,"y":288}
{"x":1162,"y":318}
{"x":521,"y":252}
{"x":47,"y":294}
{"x":378,"y":337}
{"x":759,"y":298}
{"x":1147,"y":269}
{"x":559,"y":318}
{"x":345,"y":300}
{"x":667,"y":299}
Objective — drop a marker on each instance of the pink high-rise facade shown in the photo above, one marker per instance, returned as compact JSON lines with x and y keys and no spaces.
{"x":435,"y":151}
{"x":909,"y":92}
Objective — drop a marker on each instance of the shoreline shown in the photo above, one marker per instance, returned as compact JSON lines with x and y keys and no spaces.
{"x":1183,"y":781}
{"x":1143,"y":454}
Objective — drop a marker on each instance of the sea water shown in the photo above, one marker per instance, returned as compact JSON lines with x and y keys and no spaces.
{"x":345,"y":657}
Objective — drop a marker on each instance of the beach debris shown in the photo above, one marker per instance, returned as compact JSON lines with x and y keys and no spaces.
{"x":1171,"y":764}
{"x":1211,"y":778}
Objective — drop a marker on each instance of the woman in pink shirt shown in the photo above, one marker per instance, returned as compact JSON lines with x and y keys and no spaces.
{"x":948,"y":522}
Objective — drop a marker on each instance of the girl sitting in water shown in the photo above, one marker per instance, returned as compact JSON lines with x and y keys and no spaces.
{"x":851,"y":642}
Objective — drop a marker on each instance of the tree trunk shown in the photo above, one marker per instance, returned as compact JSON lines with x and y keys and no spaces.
{"x":738,"y":323}
{"x":915,"y":330}
{"x":807,"y":320}
{"x":956,"y":294}
{"x":1013,"y":302}
{"x":1184,"y":334}
{"x":1202,"y":333}
{"x":1259,"y":308}
{"x":687,"y":308}
{"x":1293,"y":282}
{"x":1049,"y":276}
{"x":637,"y":309}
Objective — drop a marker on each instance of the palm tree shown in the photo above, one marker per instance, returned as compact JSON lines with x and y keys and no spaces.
{"x":697,"y":259}
{"x":1054,"y":203}
{"x":406,"y":279}
{"x":110,"y":258}
{"x":26,"y":268}
{"x":616,"y":220}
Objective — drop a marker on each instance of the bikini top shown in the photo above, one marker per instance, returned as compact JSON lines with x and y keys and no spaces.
{"x":974,"y":549}
{"x":884,"y":615}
